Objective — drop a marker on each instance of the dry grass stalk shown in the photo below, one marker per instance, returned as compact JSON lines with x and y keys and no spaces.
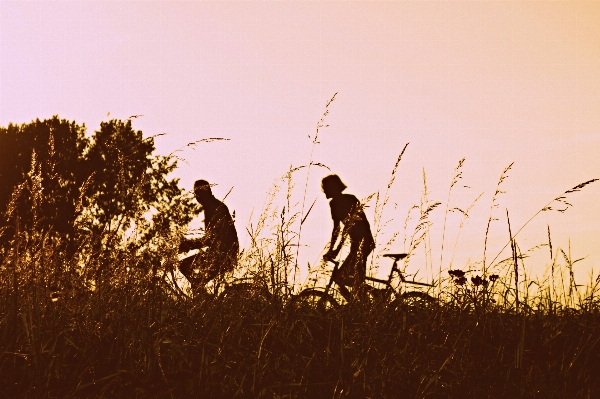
{"x":379,"y":208}
{"x":315,"y":141}
{"x":456,"y":177}
{"x":561,"y":199}
{"x":494,"y":204}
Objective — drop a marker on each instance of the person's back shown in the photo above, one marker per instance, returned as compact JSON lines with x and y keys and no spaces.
{"x":346,"y":210}
{"x":219,"y":247}
{"x":220,"y":234}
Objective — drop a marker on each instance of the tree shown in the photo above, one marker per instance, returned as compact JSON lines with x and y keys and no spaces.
{"x":88,"y":191}
{"x":42,"y":158}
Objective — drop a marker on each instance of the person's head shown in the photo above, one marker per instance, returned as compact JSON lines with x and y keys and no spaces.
{"x":202,"y":190}
{"x":332,"y":185}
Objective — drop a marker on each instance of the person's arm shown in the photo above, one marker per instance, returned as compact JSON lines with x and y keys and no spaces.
{"x":333,"y":252}
{"x":187,"y":244}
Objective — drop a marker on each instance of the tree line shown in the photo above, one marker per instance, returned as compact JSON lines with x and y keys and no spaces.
{"x":86,"y":190}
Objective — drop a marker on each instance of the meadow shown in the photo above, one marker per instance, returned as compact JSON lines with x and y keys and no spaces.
{"x":135,"y":331}
{"x":135,"y":336}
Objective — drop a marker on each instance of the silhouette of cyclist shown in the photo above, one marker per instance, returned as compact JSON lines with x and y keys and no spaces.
{"x":346,"y":210}
{"x":218,"y":247}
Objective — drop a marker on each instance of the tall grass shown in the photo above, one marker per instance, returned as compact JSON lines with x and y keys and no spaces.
{"x":66,"y":332}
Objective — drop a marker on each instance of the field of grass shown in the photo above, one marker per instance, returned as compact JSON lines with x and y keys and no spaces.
{"x":134,"y":334}
{"x":135,"y":338}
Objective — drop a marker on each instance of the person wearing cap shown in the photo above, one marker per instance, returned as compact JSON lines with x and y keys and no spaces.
{"x":219,"y":246}
{"x":347,"y":210}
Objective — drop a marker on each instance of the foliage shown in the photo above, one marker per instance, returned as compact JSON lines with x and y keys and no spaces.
{"x":73,"y":189}
{"x":41,"y":158}
{"x":55,"y":179}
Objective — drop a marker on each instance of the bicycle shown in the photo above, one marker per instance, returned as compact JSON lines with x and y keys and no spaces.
{"x":320,"y":299}
{"x":223,"y":290}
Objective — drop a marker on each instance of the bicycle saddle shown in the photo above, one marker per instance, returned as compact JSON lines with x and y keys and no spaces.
{"x":396,"y":257}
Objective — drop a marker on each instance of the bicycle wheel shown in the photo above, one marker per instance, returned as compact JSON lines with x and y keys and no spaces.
{"x":413,"y":300}
{"x":246,"y":296}
{"x":314,"y":300}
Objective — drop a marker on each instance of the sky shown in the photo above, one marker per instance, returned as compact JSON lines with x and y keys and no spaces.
{"x":495,"y":83}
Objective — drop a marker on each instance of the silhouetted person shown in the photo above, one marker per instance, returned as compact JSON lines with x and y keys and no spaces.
{"x":347,"y":210}
{"x":219,"y":246}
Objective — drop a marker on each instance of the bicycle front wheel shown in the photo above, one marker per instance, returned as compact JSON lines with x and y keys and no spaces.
{"x":314,"y":300}
{"x":413,"y":300}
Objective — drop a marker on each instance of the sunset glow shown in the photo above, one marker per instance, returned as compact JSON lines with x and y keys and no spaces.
{"x":493,"y":83}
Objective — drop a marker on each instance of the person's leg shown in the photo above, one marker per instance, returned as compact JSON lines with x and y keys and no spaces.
{"x":340,"y":278}
{"x":214,"y":265}
{"x":210,"y":271}
{"x":191,"y":268}
{"x":360,"y":269}
{"x":186,"y":268}
{"x":362,"y":254}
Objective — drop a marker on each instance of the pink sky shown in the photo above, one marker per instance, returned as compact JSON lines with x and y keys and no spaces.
{"x":492,"y":82}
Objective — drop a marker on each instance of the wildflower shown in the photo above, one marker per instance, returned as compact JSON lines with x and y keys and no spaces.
{"x":460,"y":281}
{"x":456,"y":273}
{"x":493,"y":278}
{"x":477,"y":281}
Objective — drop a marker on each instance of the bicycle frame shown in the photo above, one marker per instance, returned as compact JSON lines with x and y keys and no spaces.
{"x":387,"y":283}
{"x":322,"y":298}
{"x":395,"y":268}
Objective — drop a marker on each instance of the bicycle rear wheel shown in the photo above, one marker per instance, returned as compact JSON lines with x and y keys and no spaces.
{"x":313,"y":299}
{"x":246,"y":296}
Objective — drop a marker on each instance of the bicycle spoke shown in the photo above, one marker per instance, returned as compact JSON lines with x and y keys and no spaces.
{"x":313,"y":300}
{"x":413,"y":300}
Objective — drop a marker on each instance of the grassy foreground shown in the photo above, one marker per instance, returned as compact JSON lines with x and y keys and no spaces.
{"x":111,"y":324}
{"x":138,"y":339}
